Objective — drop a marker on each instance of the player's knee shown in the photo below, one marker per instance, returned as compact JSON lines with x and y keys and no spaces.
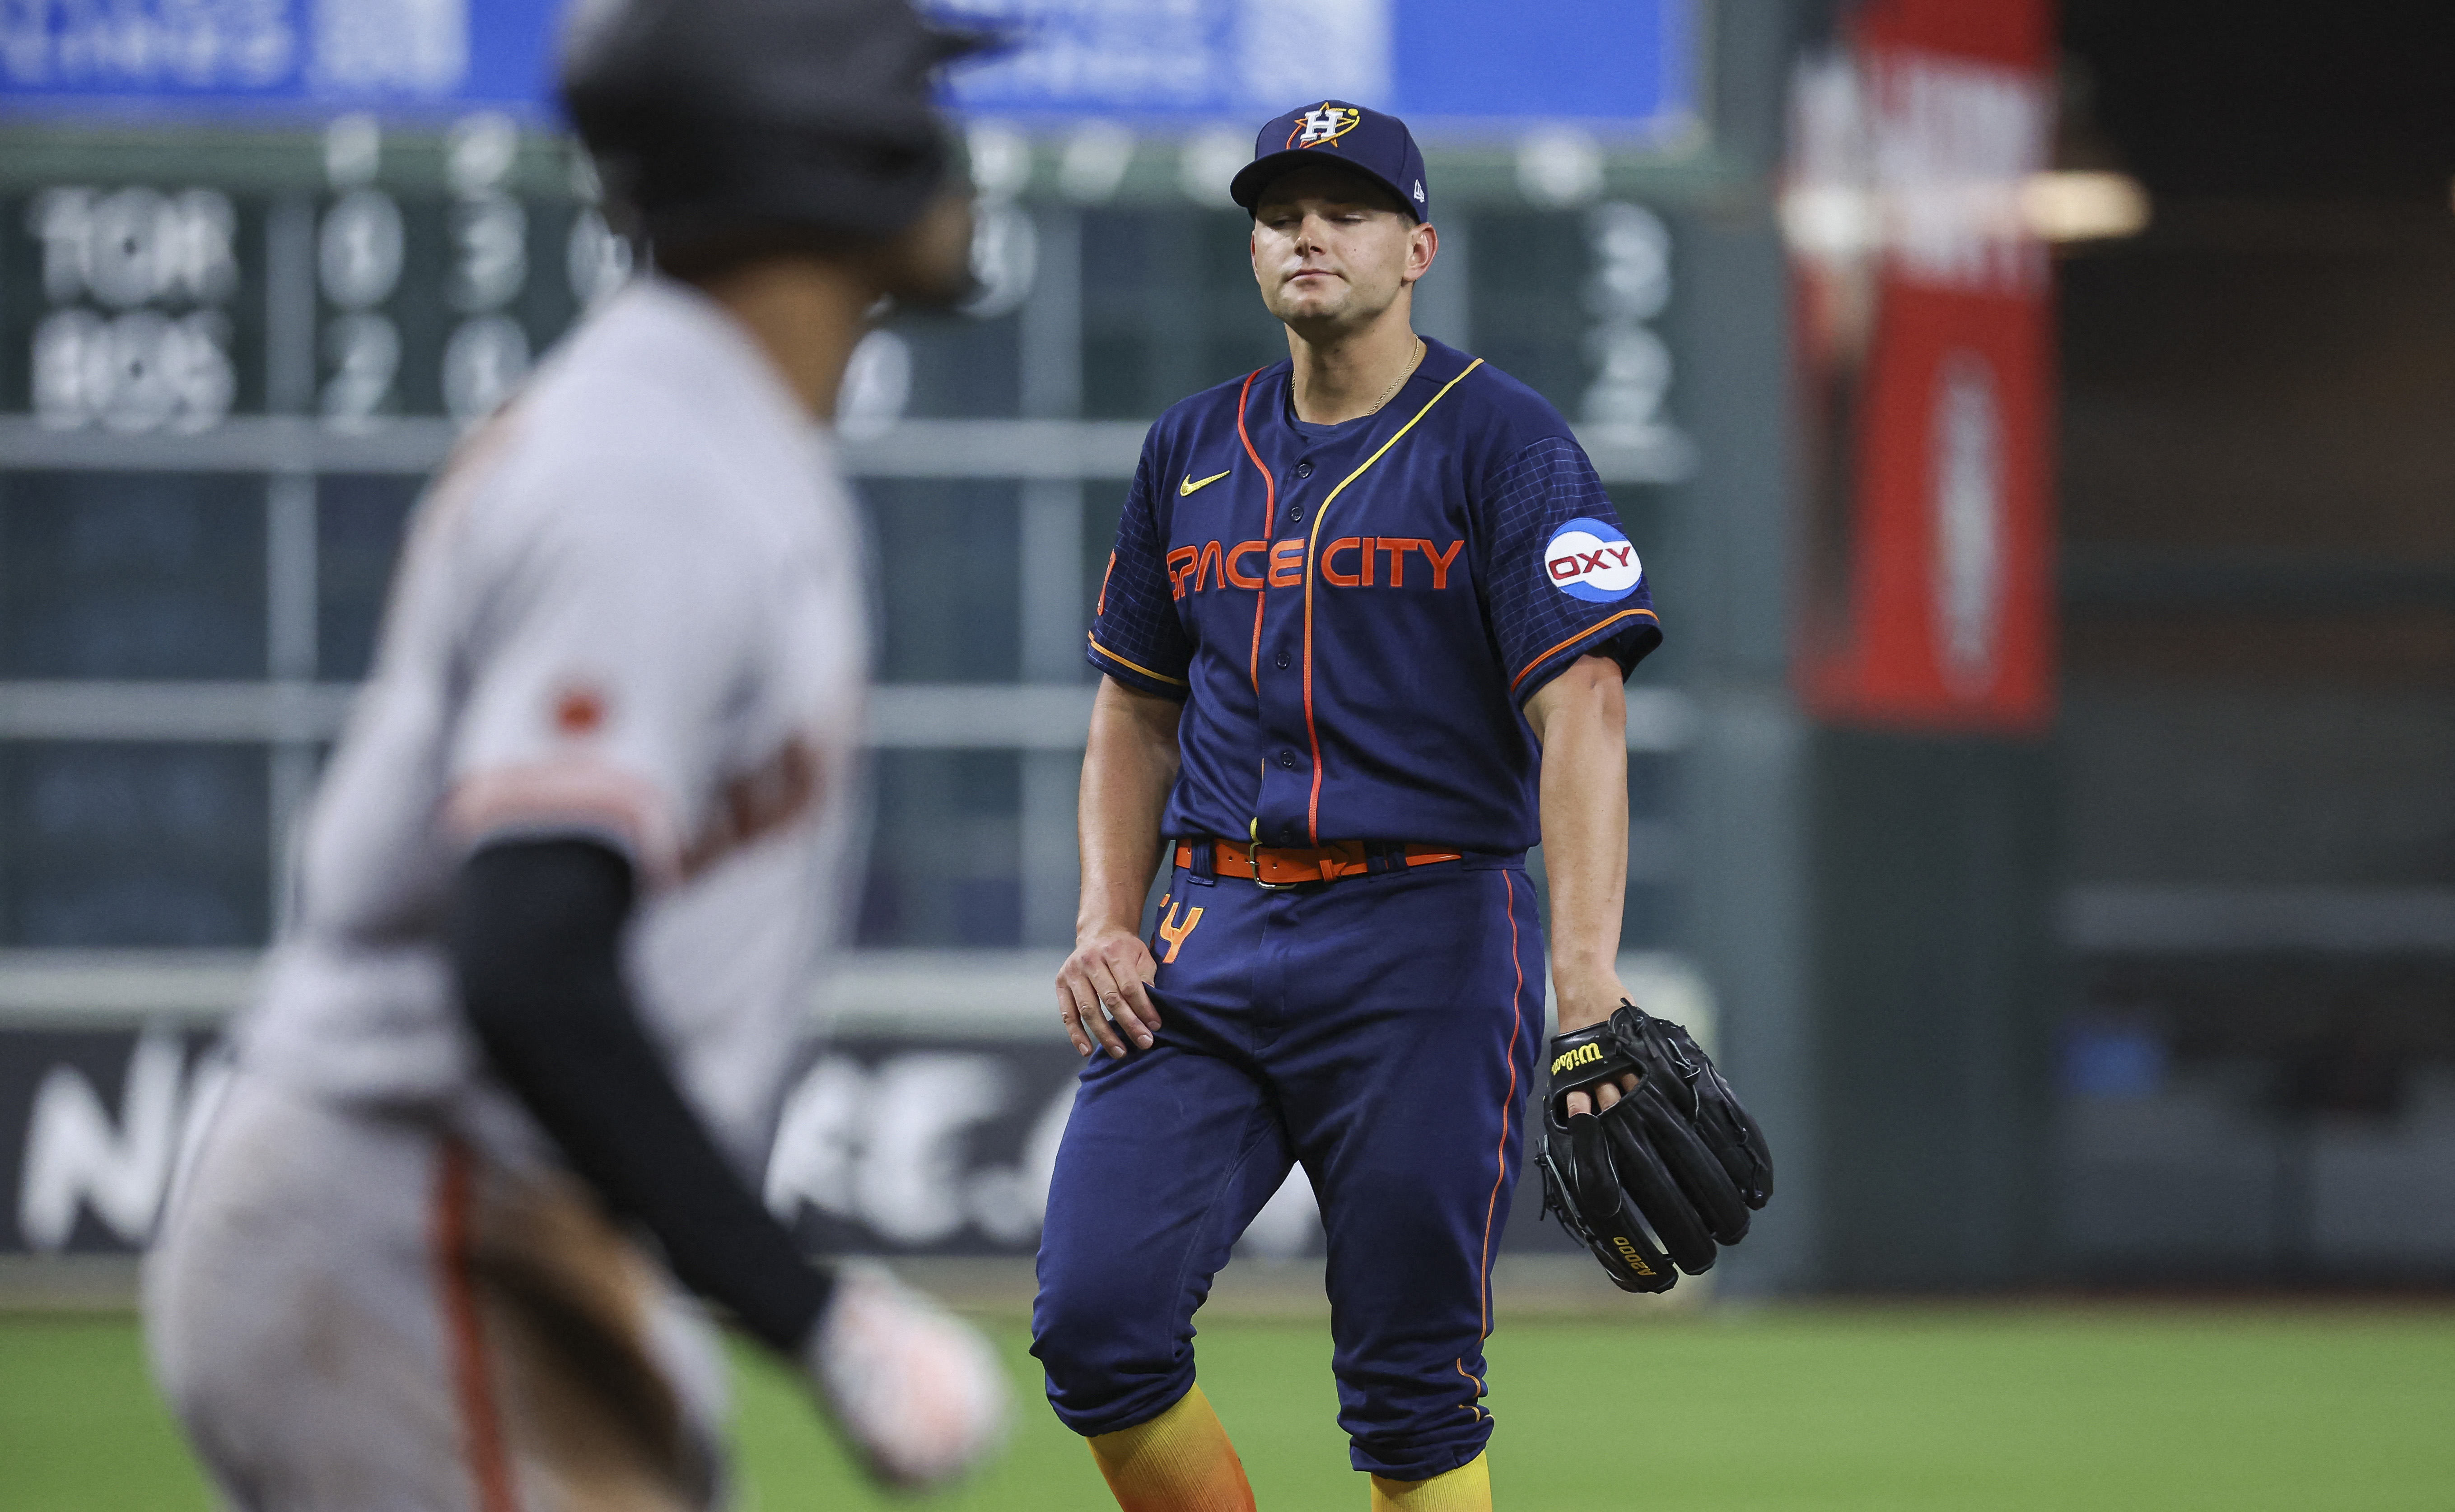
{"x":1114,"y":1358}
{"x":1080,"y":1335}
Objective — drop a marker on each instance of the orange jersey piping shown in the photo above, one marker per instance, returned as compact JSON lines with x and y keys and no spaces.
{"x":1135,"y":665}
{"x":1500,"y":1153}
{"x":1269,"y":513}
{"x":1312,"y":809}
{"x":1578,"y":637}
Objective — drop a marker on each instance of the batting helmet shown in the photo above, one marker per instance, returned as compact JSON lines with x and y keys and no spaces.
{"x":710,"y":118}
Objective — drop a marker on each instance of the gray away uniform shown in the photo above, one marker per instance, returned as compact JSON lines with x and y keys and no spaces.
{"x":629,"y":610}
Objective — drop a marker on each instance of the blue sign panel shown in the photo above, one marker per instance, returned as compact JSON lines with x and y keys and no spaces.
{"x":1624,"y":67}
{"x":279,"y":58}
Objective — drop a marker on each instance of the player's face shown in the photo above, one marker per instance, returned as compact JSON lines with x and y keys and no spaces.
{"x":1333,"y":251}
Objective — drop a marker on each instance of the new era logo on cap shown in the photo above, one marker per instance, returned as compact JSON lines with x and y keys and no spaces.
{"x":1375,"y":145}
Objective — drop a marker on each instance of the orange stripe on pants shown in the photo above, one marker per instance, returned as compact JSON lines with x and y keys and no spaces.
{"x":482,"y":1430}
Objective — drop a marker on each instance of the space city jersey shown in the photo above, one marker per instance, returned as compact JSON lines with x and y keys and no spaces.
{"x":1354,"y":618}
{"x":630,"y":610}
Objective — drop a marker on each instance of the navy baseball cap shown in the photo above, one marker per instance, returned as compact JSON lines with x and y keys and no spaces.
{"x":1377,"y":146}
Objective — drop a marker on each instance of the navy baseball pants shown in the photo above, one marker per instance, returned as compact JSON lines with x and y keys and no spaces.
{"x":1381,"y":1030}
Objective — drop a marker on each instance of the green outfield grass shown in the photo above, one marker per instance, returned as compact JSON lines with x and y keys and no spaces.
{"x":1902,"y":1410}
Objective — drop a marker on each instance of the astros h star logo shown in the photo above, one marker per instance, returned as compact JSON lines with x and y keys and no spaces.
{"x":1323,"y":126}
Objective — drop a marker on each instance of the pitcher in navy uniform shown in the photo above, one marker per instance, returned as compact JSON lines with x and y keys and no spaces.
{"x":1363,"y":640}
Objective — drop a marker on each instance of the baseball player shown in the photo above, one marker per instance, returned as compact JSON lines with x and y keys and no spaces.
{"x":1363,"y":640}
{"x":499,"y":1105}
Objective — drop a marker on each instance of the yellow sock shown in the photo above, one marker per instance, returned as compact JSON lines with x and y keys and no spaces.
{"x":1468,"y":1488}
{"x":1179,"y":1462}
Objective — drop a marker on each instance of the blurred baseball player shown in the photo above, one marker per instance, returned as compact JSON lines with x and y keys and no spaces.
{"x":579,"y":852}
{"x":1364,"y":637}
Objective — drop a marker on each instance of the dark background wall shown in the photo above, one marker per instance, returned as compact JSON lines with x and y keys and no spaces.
{"x":2257,"y":749}
{"x":2170,"y":997}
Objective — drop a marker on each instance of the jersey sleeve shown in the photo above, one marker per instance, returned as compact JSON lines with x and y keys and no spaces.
{"x":1136,"y":636}
{"x":602,"y":669}
{"x":1565,"y":580}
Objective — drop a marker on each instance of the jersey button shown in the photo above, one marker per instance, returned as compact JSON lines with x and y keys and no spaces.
{"x":1304,"y":469}
{"x":1295,"y":514}
{"x":1284,"y":660}
{"x":1288,"y":759}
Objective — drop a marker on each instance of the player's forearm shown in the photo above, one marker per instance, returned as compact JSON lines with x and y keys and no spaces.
{"x":1128,"y":766}
{"x":1581,"y":719}
{"x":535,"y":940}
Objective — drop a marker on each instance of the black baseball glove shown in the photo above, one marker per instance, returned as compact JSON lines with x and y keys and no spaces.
{"x":1668,"y":1171}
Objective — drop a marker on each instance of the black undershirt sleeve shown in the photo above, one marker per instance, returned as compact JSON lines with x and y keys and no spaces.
{"x":537,"y":930}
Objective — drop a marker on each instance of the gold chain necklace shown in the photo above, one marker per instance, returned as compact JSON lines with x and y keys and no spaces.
{"x":1407,"y":371}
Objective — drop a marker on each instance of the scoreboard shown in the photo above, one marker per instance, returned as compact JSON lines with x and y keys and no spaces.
{"x":355,"y":286}
{"x":228,"y":359}
{"x":262,"y":262}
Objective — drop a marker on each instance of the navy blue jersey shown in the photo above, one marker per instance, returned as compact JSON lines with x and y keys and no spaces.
{"x":1354,"y":614}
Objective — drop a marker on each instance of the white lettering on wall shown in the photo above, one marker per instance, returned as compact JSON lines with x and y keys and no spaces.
{"x":419,"y":47}
{"x":78,"y":1156}
{"x":885,"y":1148}
{"x":1922,"y":158}
{"x":1954,"y":142}
{"x":199,"y":44}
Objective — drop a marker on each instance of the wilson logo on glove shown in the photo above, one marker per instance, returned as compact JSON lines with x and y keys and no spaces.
{"x":1582,"y":1056}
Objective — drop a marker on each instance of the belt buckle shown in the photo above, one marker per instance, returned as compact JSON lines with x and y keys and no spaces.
{"x":1253,"y":859}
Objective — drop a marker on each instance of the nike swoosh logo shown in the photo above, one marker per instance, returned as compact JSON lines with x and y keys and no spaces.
{"x":1189,"y":485}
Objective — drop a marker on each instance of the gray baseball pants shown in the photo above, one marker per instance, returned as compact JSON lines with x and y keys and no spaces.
{"x":356,"y":1312}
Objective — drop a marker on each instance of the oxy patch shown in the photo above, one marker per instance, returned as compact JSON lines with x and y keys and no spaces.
{"x":1591,"y":561}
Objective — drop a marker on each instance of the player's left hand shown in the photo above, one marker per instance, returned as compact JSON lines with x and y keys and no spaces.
{"x":1667,"y":1174}
{"x":1588,"y":998}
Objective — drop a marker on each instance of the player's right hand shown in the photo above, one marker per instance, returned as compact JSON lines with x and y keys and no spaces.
{"x":919,"y":1394}
{"x":1103,"y":991}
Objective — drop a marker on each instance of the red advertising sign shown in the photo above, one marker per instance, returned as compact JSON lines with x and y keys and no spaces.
{"x":1925,"y":361}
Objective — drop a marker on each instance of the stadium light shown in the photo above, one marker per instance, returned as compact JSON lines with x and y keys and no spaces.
{"x":2069,"y":205}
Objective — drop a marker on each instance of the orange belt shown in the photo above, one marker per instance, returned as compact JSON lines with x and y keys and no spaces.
{"x":1277,"y":867}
